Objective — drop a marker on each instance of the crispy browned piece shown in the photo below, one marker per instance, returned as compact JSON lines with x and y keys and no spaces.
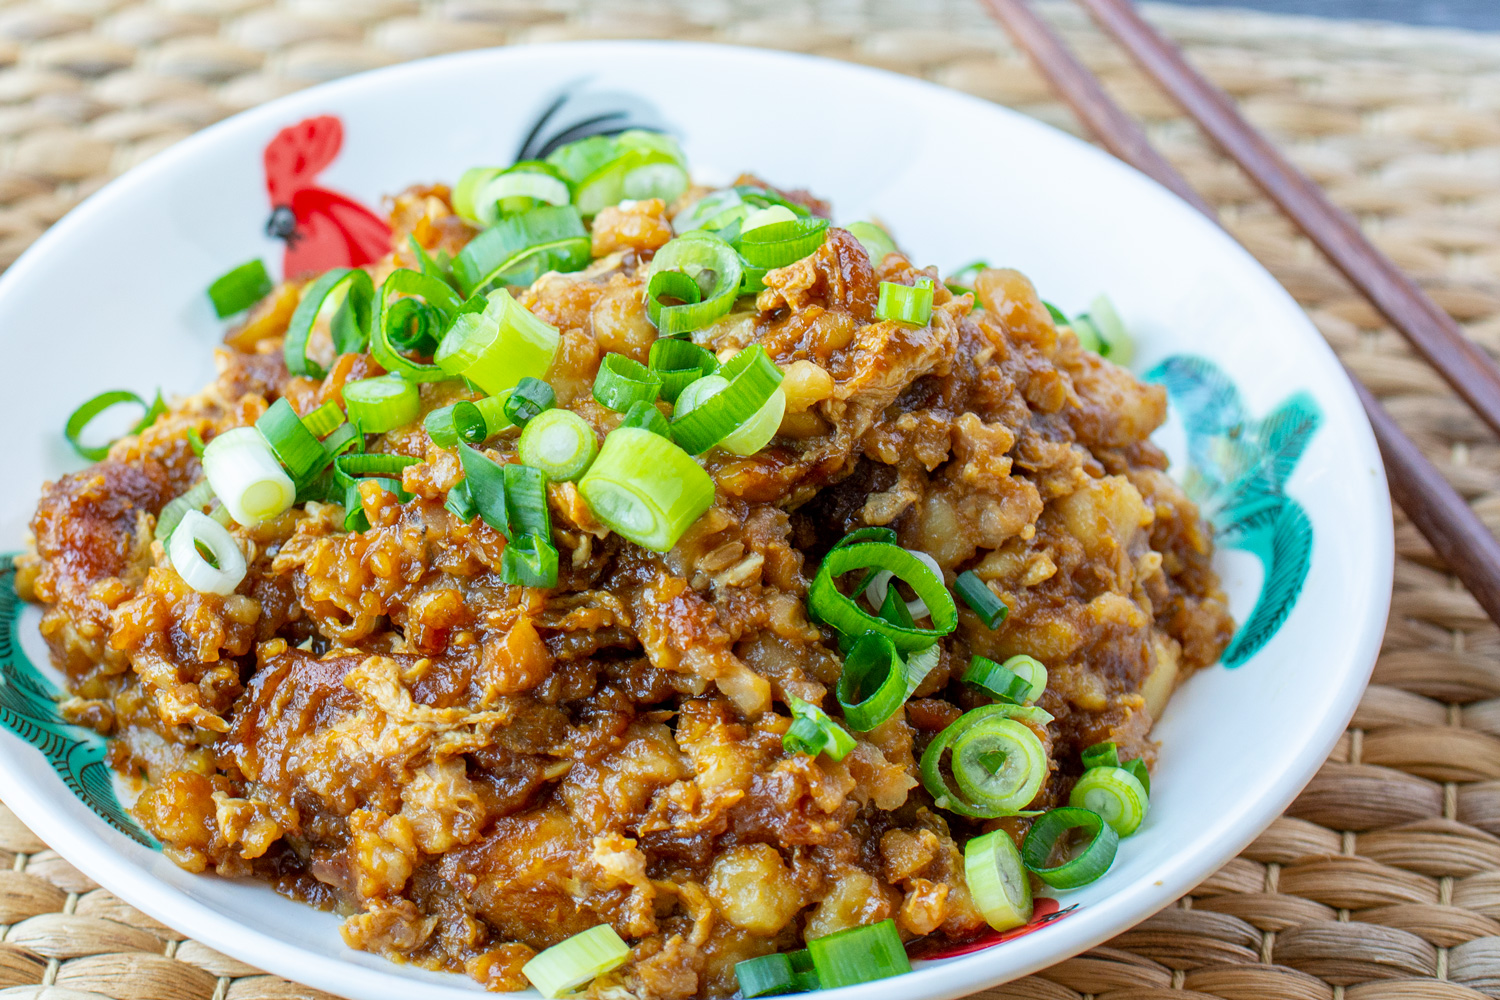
{"x":471,"y":771}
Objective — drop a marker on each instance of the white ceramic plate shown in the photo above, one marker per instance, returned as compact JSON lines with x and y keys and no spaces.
{"x":113,"y":296}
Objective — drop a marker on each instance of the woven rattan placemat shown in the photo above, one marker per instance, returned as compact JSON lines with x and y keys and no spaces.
{"x":1383,"y":879}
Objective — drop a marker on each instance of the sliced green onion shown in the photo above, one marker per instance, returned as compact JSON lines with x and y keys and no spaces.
{"x":812,"y":732}
{"x":768,"y":216}
{"x":461,"y":502}
{"x":768,"y":975}
{"x":723,"y":211}
{"x":753,"y":379}
{"x":530,"y":397}
{"x":324,"y":420}
{"x":1059,"y":318}
{"x":1139,"y":772}
{"x":997,"y":680}
{"x":438,"y":296}
{"x":413,"y":326}
{"x":349,"y":471}
{"x":645,"y":488}
{"x":919,"y":665}
{"x":352,"y":288}
{"x":634,"y":164}
{"x":671,"y":290}
{"x":520,"y":248}
{"x":876,"y":241}
{"x":623,"y":382}
{"x":1113,"y":793}
{"x":441,"y":268}
{"x":679,"y":363}
{"x":893,"y":609}
{"x":498,"y":347}
{"x":859,"y":955}
{"x":526,"y":511}
{"x":911,"y":304}
{"x":296,"y":446}
{"x":382,"y":403}
{"x":529,"y":561}
{"x":1117,"y":344}
{"x":647,"y":417}
{"x":80,"y":418}
{"x":757,"y":432}
{"x":1049,"y":830}
{"x":707,"y":260}
{"x":1087,"y":333}
{"x":246,"y":477}
{"x":875,"y":593}
{"x":195,"y":442}
{"x":781,"y":243}
{"x":872,"y":686}
{"x":1029,"y":669}
{"x":343,"y":438}
{"x":517,"y":188}
{"x":826,"y":602}
{"x":470,"y":183}
{"x":560,"y":443}
{"x":171,"y":515}
{"x":581,"y":958}
{"x":981,"y":599}
{"x":461,"y":421}
{"x":869,"y":534}
{"x":484,"y":482}
{"x":239,"y":289}
{"x":492,"y":408}
{"x":197,"y":531}
{"x":997,"y":880}
{"x":998,"y":763}
{"x":1101,"y":755}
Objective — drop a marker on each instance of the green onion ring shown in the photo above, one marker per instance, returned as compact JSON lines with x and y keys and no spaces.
{"x":997,"y":680}
{"x":1101,"y":755}
{"x":782,"y":243}
{"x":909,"y":304}
{"x":560,"y":443}
{"x":859,"y":955}
{"x":710,"y":262}
{"x":623,"y":382}
{"x":812,"y":732}
{"x":358,"y":290}
{"x":647,"y":417}
{"x":981,"y":599}
{"x":296,"y":446}
{"x":753,"y":378}
{"x":530,"y":397}
{"x":998,"y":764}
{"x":563,"y":967}
{"x":997,"y":880}
{"x":645,"y":488}
{"x":1048,"y":829}
{"x":80,"y":418}
{"x":382,"y":403}
{"x":679,"y":363}
{"x":826,"y":602}
{"x":872,"y":686}
{"x":461,"y":421}
{"x":484,"y":485}
{"x":240,"y":288}
{"x":1113,"y":793}
{"x":438,"y":295}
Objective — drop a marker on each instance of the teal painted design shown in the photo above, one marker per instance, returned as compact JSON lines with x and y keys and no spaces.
{"x":28,"y":708}
{"x":1237,"y":472}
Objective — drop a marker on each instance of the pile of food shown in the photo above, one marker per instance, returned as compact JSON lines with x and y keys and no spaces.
{"x":635,"y":586}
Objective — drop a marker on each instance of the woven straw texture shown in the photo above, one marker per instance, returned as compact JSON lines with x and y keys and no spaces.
{"x":1383,"y":880}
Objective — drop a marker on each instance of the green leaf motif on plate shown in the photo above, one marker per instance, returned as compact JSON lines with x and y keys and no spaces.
{"x":29,"y":708}
{"x":1238,"y":467}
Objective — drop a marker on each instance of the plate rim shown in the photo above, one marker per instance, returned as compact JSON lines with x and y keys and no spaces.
{"x":93,"y":853}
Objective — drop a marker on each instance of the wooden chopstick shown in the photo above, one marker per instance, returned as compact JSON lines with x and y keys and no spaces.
{"x":1434,"y":506}
{"x":1420,"y":320}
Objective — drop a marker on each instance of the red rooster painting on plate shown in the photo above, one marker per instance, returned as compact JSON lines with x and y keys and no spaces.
{"x":322,"y":228}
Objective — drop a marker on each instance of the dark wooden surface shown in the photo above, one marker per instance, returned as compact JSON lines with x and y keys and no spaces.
{"x":1479,"y":14}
